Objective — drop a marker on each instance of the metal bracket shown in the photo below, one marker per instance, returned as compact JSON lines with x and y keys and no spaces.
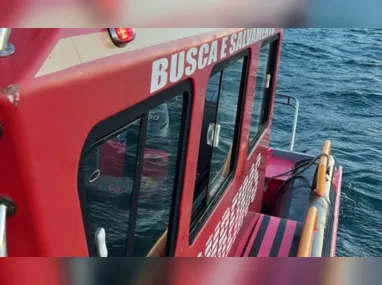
{"x":8,"y":203}
{"x":6,"y":48}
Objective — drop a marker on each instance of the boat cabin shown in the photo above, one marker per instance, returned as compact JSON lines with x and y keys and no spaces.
{"x":154,"y":142}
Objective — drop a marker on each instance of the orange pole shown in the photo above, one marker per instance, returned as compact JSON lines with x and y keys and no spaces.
{"x":306,"y":241}
{"x":322,"y":167}
{"x":159,"y":247}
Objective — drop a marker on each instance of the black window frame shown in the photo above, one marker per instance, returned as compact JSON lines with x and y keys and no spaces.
{"x":198,"y":221}
{"x":268,"y":93}
{"x":116,"y":123}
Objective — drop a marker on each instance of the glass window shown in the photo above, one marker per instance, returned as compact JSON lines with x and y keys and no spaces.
{"x":219,"y":136}
{"x":158,"y":176}
{"x":109,"y":171}
{"x":130,"y":179}
{"x":225,"y":121}
{"x":263,"y":92}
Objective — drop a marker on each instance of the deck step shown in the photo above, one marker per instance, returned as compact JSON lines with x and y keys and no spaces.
{"x":274,"y":237}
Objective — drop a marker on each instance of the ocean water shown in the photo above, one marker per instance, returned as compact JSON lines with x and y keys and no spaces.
{"x":337,"y":76}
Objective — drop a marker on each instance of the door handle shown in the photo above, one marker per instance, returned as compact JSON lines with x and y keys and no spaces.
{"x":213,"y":135}
{"x":268,"y":82}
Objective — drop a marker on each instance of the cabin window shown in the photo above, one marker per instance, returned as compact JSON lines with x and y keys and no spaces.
{"x":158,"y":176}
{"x":219,"y":138}
{"x":130,"y":178}
{"x":109,"y":173}
{"x":263,"y":91}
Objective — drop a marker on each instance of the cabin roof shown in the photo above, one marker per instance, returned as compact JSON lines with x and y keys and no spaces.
{"x":41,"y":52}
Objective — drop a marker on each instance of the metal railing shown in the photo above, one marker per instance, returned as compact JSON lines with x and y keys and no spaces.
{"x":293,"y":102}
{"x":7,"y":208}
{"x":3,"y":231}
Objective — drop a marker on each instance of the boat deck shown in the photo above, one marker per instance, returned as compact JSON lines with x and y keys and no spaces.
{"x":277,"y":231}
{"x":274,"y":237}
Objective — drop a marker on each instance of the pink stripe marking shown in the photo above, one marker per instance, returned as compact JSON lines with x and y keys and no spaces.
{"x":253,"y":237}
{"x":269,"y":237}
{"x":286,"y":243}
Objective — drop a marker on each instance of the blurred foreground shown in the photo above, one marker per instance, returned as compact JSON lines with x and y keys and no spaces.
{"x":209,"y":13}
{"x":28,"y":271}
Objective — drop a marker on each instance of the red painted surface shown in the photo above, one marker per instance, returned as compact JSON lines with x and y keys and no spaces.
{"x":32,"y":271}
{"x":254,"y":234}
{"x":278,"y":165}
{"x":268,"y":240}
{"x":287,"y":239}
{"x":248,"y":229}
{"x":33,"y":47}
{"x":275,"y":166}
{"x":269,"y":237}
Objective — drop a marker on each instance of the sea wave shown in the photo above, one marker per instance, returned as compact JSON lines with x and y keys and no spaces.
{"x":337,"y":76}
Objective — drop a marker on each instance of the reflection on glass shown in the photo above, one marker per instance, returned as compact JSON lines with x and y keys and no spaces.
{"x":158,"y":177}
{"x":226,"y":119}
{"x":109,"y":177}
{"x":205,"y":149}
{"x":258,"y":110}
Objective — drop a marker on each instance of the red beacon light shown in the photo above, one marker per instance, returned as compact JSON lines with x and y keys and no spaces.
{"x":121,"y":36}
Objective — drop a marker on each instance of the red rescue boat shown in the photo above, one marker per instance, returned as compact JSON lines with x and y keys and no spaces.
{"x":155,"y":142}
